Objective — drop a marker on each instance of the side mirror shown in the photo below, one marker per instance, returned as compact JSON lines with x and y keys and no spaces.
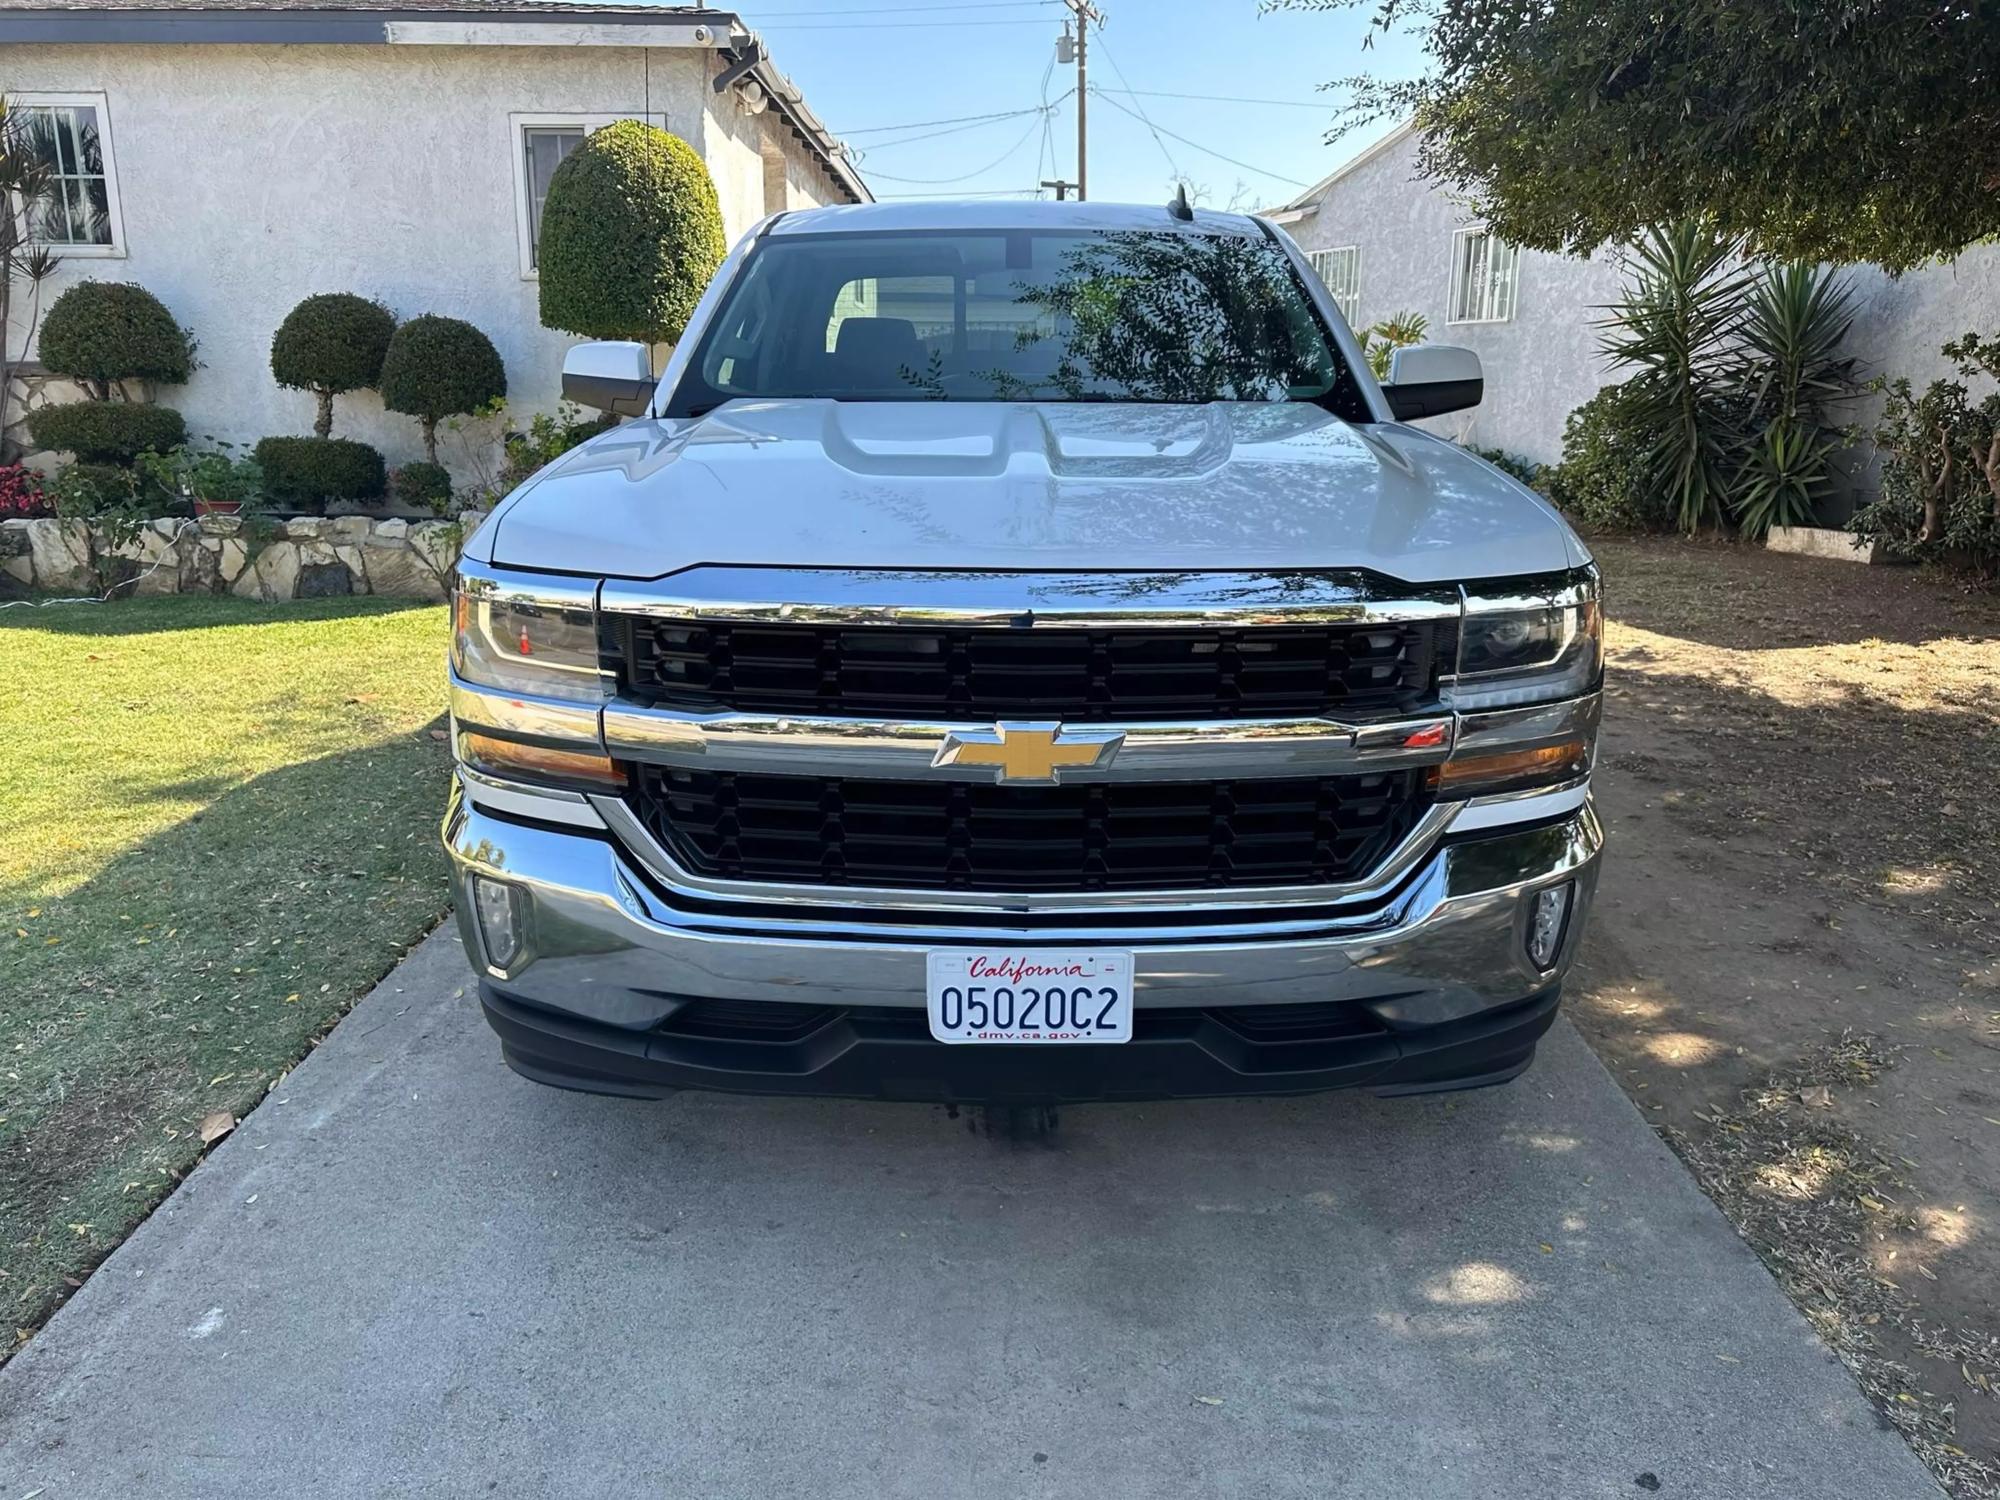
{"x":613,"y":377}
{"x":1428,"y":380}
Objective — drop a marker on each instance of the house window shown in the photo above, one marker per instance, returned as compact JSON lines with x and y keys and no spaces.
{"x":1341,"y":271}
{"x":540,"y":144}
{"x":1484,"y":270}
{"x":543,"y":148}
{"x":70,"y":134}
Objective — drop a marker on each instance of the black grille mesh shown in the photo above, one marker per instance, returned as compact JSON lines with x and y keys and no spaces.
{"x":1051,"y":673}
{"x":963,"y":835}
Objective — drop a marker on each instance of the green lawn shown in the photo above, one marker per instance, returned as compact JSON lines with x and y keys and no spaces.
{"x":218,"y":826}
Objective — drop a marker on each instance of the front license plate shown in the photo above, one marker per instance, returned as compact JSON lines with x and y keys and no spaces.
{"x":1029,"y":995}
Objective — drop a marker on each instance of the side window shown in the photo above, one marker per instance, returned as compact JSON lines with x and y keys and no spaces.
{"x":1484,"y":271}
{"x":70,"y":135}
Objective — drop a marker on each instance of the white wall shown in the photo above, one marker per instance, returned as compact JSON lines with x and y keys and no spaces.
{"x":251,"y":176}
{"x":1538,"y":365}
{"x":1544,"y":362}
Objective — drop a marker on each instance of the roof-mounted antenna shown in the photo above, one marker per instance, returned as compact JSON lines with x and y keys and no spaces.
{"x":1180,"y":208}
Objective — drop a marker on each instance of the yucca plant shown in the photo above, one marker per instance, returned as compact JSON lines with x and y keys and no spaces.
{"x":1679,"y":326}
{"x":1796,"y":320}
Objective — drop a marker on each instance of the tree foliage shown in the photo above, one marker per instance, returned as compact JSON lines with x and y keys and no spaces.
{"x":1850,"y":130}
{"x":1154,"y":317}
{"x":330,"y":343}
{"x":440,"y":367}
{"x":631,"y":234}
{"x":1940,"y":449}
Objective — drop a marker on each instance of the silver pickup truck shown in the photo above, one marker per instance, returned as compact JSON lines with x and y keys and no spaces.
{"x":1018,"y":654}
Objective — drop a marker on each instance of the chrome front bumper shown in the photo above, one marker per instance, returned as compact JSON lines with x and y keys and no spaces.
{"x":607,"y":945}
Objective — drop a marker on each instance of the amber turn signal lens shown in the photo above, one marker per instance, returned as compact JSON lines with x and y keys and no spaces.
{"x":509,"y":757}
{"x":1510,"y":770}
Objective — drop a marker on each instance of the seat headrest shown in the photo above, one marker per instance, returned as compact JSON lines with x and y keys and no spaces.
{"x":878,"y":347}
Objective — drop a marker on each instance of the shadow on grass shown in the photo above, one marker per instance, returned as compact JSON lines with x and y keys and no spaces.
{"x":185,"y":977}
{"x":174,"y":612}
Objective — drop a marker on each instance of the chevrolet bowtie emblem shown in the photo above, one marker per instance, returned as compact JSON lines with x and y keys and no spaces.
{"x":1029,"y":752}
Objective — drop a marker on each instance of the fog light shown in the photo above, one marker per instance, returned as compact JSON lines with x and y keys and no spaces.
{"x":1546,"y":924}
{"x":498,"y":907}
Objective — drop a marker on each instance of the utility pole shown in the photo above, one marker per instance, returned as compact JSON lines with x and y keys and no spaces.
{"x":1062,"y":187}
{"x":1085,"y":13}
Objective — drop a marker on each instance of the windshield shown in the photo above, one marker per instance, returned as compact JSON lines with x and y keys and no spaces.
{"x":1018,"y":315}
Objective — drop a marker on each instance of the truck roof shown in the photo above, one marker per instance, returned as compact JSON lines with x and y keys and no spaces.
{"x":991,"y":214}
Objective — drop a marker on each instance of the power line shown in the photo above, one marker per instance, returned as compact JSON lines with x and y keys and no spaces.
{"x":931,"y":135}
{"x":889,"y":25}
{"x":1019,"y":142}
{"x":1110,"y":57}
{"x":1218,"y":98}
{"x":1207,"y":150}
{"x":1000,"y":114}
{"x":1047,"y":147}
{"x":910,"y":10}
{"x":989,"y":193}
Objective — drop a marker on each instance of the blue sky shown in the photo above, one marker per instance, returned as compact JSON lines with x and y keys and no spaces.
{"x":869,"y":64}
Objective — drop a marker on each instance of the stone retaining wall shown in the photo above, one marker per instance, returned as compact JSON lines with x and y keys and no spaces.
{"x":260,"y":559}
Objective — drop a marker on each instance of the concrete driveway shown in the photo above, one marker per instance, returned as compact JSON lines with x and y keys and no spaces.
{"x":410,"y":1273}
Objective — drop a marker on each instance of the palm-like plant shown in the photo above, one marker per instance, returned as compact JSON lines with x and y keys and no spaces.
{"x":1397,"y":331}
{"x":1679,"y":326}
{"x":27,"y":184}
{"x":1796,"y":318}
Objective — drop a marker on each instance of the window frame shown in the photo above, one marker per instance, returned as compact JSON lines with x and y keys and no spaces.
{"x":1461,"y":278}
{"x":28,"y":99}
{"x":1322,"y":260}
{"x":518,"y":126}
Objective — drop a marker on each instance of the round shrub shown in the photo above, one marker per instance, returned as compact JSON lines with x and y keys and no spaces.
{"x":101,"y":332}
{"x":1604,"y":479}
{"x":107,"y":432}
{"x":330,"y":343}
{"x":423,"y":484}
{"x":631,"y":234}
{"x":303,"y":472}
{"x":440,"y":367}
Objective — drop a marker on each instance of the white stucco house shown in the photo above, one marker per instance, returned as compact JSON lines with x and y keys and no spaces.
{"x":250,"y":152}
{"x":1386,"y":240}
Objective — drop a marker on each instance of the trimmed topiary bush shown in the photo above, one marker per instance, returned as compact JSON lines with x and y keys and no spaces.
{"x":631,"y":234}
{"x":304,"y":472}
{"x":440,"y":367}
{"x":423,"y":484}
{"x":331,"y":343}
{"x":102,"y":333}
{"x":107,"y":432}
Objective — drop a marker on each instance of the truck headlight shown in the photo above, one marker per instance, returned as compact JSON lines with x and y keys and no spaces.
{"x":543,"y":644}
{"x":1531,"y":645}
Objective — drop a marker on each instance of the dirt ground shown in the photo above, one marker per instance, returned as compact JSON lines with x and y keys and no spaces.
{"x":1794,"y":967}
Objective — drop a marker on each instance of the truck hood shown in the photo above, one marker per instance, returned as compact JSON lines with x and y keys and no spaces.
{"x":1051,"y":487}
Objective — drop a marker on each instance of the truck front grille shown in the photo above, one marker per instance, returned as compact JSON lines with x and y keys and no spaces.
{"x":997,"y":672}
{"x":964,"y":835}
